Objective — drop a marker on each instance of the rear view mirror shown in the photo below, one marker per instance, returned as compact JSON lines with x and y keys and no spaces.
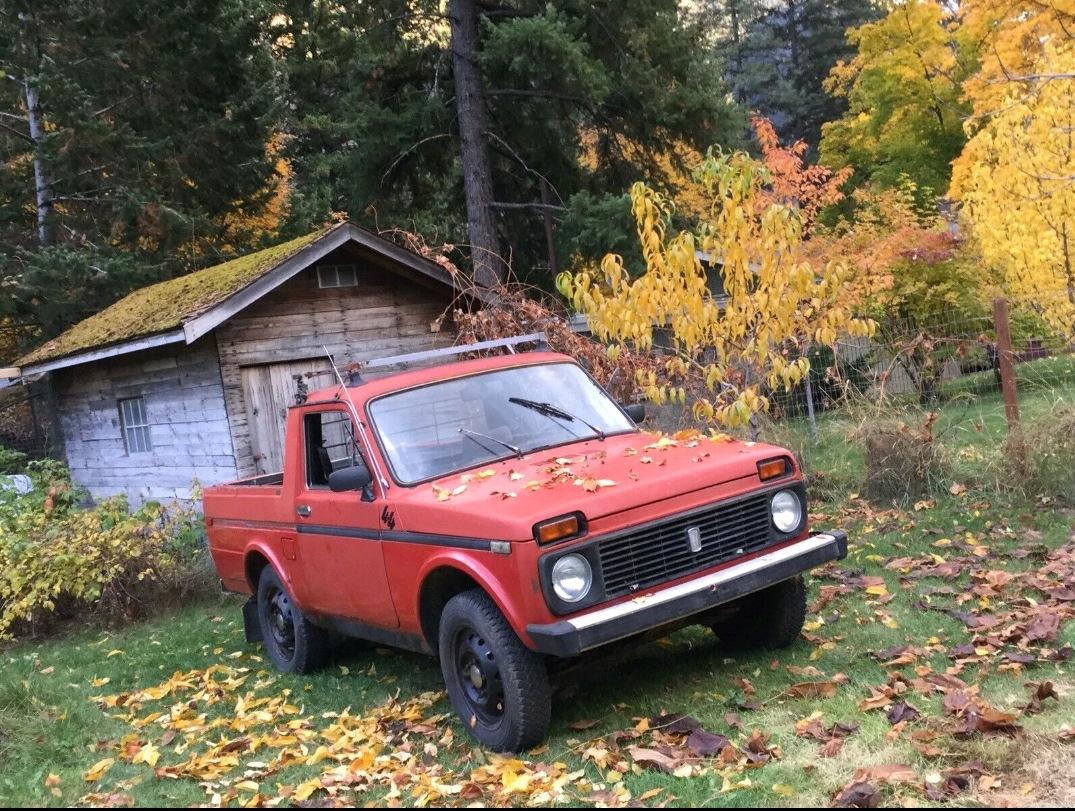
{"x":357,"y":477}
{"x":636,"y":411}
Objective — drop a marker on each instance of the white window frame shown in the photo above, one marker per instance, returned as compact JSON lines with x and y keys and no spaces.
{"x":329,"y":276}
{"x":134,"y":425}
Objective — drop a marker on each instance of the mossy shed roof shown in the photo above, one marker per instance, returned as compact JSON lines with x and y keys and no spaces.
{"x":162,"y":309}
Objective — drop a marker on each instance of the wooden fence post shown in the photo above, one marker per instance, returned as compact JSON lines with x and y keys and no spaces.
{"x":1007,"y":368}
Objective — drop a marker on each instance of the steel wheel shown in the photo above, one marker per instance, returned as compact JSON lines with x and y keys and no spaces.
{"x":294,"y":644}
{"x":479,"y":675}
{"x":498,"y":686}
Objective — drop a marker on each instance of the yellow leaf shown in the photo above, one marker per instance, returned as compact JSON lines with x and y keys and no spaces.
{"x":99,"y":768}
{"x":781,"y":788}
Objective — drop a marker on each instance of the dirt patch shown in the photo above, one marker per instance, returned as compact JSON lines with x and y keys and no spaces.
{"x":1042,"y":776}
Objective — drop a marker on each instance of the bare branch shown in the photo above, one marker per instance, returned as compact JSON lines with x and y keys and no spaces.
{"x":523,"y":163}
{"x":411,"y":149}
{"x":540,"y":206}
{"x":14,"y":131}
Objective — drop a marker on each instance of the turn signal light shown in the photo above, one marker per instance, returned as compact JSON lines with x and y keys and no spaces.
{"x":557,"y":529}
{"x":773,"y":469}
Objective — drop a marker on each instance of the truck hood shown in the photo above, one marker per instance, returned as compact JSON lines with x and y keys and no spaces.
{"x":600,"y":478}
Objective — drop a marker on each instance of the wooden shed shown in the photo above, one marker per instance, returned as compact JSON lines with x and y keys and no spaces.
{"x":188,"y":381}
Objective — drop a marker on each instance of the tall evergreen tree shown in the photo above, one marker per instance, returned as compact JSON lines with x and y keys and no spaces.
{"x":566,"y":87}
{"x":780,"y":65}
{"x":129,"y":131}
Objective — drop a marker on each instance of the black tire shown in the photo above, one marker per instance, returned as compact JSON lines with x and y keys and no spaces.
{"x":769,"y":619}
{"x":499,"y":688}
{"x":294,"y":644}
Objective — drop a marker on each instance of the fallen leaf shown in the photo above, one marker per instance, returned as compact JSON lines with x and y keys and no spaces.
{"x":902,"y":711}
{"x":812,"y":690}
{"x":857,"y":795}
{"x":584,"y":723}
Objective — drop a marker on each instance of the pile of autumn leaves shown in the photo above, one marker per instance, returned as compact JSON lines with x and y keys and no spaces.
{"x":234,"y":731}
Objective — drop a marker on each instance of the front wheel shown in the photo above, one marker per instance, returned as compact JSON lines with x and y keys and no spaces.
{"x":769,"y":619}
{"x":294,"y":644}
{"x":499,"y":688}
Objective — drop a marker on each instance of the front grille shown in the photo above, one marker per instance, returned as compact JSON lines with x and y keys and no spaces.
{"x":662,"y":552}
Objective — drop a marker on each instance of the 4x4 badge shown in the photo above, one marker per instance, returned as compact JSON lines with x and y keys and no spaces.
{"x":694,"y":538}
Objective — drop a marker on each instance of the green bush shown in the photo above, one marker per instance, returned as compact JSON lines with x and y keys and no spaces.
{"x":58,"y":561}
{"x":11,"y":461}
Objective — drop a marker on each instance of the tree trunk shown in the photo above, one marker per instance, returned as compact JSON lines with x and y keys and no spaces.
{"x":489,"y":268}
{"x":42,"y":184}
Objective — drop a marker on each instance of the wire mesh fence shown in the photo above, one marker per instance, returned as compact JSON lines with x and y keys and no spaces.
{"x":908,"y":362}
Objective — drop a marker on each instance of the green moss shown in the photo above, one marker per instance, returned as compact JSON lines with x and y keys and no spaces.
{"x":168,"y":305}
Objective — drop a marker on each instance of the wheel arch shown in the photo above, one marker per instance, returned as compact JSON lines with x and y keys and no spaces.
{"x":438,"y":587}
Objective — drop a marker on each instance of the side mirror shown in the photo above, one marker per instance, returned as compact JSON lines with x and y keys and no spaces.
{"x":636,"y":411}
{"x":357,"y":477}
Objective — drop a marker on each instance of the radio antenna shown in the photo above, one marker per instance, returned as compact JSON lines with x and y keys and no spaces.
{"x":358,"y":421}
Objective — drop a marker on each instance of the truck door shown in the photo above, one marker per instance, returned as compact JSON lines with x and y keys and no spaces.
{"x":339,"y":547}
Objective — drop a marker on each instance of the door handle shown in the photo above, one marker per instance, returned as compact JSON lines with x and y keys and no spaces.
{"x":302,"y":510}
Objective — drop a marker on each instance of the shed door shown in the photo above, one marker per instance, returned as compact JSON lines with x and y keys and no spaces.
{"x":268,"y":390}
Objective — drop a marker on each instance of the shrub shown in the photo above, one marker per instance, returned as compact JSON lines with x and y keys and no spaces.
{"x":901,"y":462}
{"x":58,"y":561}
{"x":11,"y":461}
{"x":1040,"y":459}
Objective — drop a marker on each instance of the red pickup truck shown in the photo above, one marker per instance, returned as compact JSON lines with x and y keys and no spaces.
{"x":506,"y":515}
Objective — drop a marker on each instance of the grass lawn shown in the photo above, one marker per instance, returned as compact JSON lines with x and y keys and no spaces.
{"x":934,"y":668}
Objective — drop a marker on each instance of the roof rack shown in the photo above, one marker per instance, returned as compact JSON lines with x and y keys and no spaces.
{"x":540,"y":338}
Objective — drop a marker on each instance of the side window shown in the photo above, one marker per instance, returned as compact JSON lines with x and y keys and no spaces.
{"x":134,"y":425}
{"x":330,"y":445}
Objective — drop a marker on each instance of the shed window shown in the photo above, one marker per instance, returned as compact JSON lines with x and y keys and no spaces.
{"x":132,"y":415}
{"x":336,"y":276}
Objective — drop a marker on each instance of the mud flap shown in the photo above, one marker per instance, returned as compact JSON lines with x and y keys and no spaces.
{"x":251,"y":623}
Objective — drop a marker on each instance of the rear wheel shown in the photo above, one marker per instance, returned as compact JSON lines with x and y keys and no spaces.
{"x":294,"y":644}
{"x":499,"y":688}
{"x":769,"y":619}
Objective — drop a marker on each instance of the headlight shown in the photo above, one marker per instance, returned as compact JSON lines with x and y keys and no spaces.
{"x":571,"y":578}
{"x":787,"y":511}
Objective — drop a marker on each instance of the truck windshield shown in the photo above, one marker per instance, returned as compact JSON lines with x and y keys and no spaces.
{"x":452,"y":425}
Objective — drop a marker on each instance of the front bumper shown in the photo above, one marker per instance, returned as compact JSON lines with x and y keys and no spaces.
{"x":604,"y":625}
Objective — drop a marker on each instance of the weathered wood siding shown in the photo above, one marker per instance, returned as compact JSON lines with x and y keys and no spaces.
{"x":385,"y":314}
{"x":188,"y":426}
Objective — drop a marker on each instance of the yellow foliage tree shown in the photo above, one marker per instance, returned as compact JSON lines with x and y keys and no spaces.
{"x":1016,"y":176}
{"x":774,"y":306}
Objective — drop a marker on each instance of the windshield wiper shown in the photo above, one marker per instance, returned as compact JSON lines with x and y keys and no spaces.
{"x":474,"y":435}
{"x":549,"y":410}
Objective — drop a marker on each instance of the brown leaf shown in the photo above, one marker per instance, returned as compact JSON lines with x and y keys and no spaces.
{"x":1043,"y":627}
{"x":831,"y":748}
{"x":812,"y":690}
{"x":858,"y":795}
{"x":1038,"y":693}
{"x":707,"y":743}
{"x":584,"y":723}
{"x":470,"y":791}
{"x":880,"y":697}
{"x":889,"y":773}
{"x":732,"y":720}
{"x":653,"y":759}
{"x":902,"y":711}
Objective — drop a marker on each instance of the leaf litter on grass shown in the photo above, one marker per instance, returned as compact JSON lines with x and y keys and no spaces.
{"x":236,"y":733}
